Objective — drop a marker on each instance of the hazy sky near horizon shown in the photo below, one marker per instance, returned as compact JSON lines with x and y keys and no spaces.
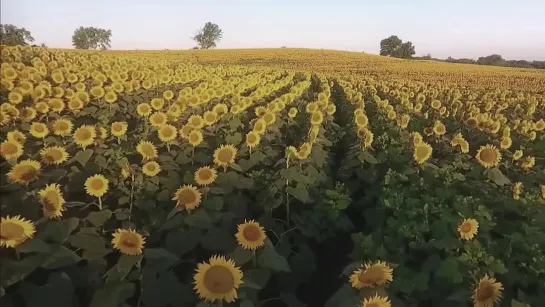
{"x":463,"y":28}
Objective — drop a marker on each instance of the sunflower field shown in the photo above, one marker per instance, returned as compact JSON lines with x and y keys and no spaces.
{"x":268,"y":178}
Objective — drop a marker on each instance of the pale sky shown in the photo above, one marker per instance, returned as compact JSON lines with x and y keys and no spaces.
{"x":463,"y":28}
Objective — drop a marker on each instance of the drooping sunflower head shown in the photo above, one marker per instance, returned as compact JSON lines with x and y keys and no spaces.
{"x":54,"y":155}
{"x":376,"y":301}
{"x":151,"y":168}
{"x":85,"y":135}
{"x":39,"y":130}
{"x":218,"y":280}
{"x":252,"y":139}
{"x":119,"y":128}
{"x":488,"y":156}
{"x":371,"y":275}
{"x":25,"y":172}
{"x":487,"y":292}
{"x":147,"y":150}
{"x":250,"y":235}
{"x":143,"y":109}
{"x":52,"y":201}
{"x":468,"y":229}
{"x":96,"y":185}
{"x":11,"y":149}
{"x":128,"y":241}
{"x":15,"y":230}
{"x":62,"y":127}
{"x":225,"y":155}
{"x":205,"y":175}
{"x":422,"y":152}
{"x":167,"y":133}
{"x":187,"y":197}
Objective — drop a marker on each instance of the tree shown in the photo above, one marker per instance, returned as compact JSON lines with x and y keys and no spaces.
{"x":10,"y":35}
{"x":388,"y":46}
{"x":91,"y":38}
{"x":405,"y":51}
{"x":208,"y":36}
{"x":493,"y":59}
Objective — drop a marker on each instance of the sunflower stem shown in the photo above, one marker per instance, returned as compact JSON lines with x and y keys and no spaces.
{"x":100,"y":203}
{"x":254,"y":259}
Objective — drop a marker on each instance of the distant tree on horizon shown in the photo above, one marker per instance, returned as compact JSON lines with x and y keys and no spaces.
{"x":393,"y":46}
{"x":11,"y":35}
{"x":208,"y":36}
{"x":91,"y":38}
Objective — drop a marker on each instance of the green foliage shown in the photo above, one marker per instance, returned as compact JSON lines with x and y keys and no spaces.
{"x":208,"y":36}
{"x":91,"y":38}
{"x":11,"y":35}
{"x":393,"y":46}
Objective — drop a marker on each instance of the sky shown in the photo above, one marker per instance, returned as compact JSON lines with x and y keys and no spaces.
{"x":461,"y":29}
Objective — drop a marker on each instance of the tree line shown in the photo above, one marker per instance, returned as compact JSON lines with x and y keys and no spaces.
{"x":210,"y":34}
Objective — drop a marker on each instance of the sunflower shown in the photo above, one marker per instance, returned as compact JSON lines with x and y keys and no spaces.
{"x":250,"y":235}
{"x":260,"y":126}
{"x":464,"y":146}
{"x":210,"y":117}
{"x":52,"y":201}
{"x":185,"y":131}
{"x":361,"y":120}
{"x":316,"y":118}
{"x":487,"y":292}
{"x":269,"y":118}
{"x":542,"y":191}
{"x":56,"y":104}
{"x":17,"y":136}
{"x":528,"y":163}
{"x":151,"y":168}
{"x":517,"y":190}
{"x":220,"y":108}
{"x":468,"y":229}
{"x":376,"y":301}
{"x":147,"y":150}
{"x":28,"y":114}
{"x":439,"y":128}
{"x":196,"y":121}
{"x":119,"y":128}
{"x":39,"y":130}
{"x":158,"y":119}
{"x":96,"y":185}
{"x":195,"y":137}
{"x":422,"y":152}
{"x":54,"y":155}
{"x":128,"y":241}
{"x":167,"y":133}
{"x":11,"y":149}
{"x":4,"y":118}
{"x":187,"y":197}
{"x":157,"y":104}
{"x":218,"y":280}
{"x":488,"y":156}
{"x":518,"y":154}
{"x":225,"y":155}
{"x":371,"y":275}
{"x":252,"y":139}
{"x":506,"y":142}
{"x":85,"y":135}
{"x":62,"y":127}
{"x":292,"y":113}
{"x":168,"y":94}
{"x":15,"y":230}
{"x":25,"y":172}
{"x":110,"y":97}
{"x":75,"y":104}
{"x":143,"y":109}
{"x":205,"y":175}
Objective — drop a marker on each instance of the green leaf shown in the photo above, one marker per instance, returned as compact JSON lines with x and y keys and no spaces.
{"x":199,"y":219}
{"x":241,"y":256}
{"x":269,"y":258}
{"x":112,"y":294}
{"x":161,"y":254}
{"x":213,"y":203}
{"x":236,"y":167}
{"x":344,"y":297}
{"x":162,"y":288}
{"x":99,"y":218}
{"x":34,"y":245}
{"x":58,"y":231}
{"x":57,"y":291}
{"x":83,"y":156}
{"x":449,"y":270}
{"x":246,"y":304}
{"x":122,"y":214}
{"x":299,"y":193}
{"x":60,"y":258}
{"x":218,"y":239}
{"x":497,"y":176}
{"x":122,"y":268}
{"x":256,"y":278}
{"x":291,"y":300}
{"x":56,"y":173}
{"x":87,"y":238}
{"x":181,"y":242}
{"x":123,"y":200}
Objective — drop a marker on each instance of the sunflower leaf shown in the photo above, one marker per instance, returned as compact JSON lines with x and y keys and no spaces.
{"x":99,"y":218}
{"x":83,"y":156}
{"x":241,"y":256}
{"x":270,"y":258}
{"x":496,"y":175}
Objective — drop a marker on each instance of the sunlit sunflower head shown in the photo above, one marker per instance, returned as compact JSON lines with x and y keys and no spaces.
{"x":119,"y":128}
{"x":205,"y":175}
{"x":196,"y":121}
{"x":210,"y":117}
{"x":464,"y":146}
{"x":187,"y":197}
{"x":158,"y":119}
{"x":28,"y":114}
{"x":15,"y":230}
{"x":195,"y":137}
{"x":218,"y":280}
{"x":292,"y":113}
{"x":17,"y":136}
{"x":316,"y":118}
{"x":528,"y":163}
{"x":157,"y":103}
{"x":25,"y":172}
{"x":252,"y":139}
{"x":128,"y":241}
{"x":11,"y":149}
{"x":439,"y":128}
{"x":110,"y":97}
{"x":220,"y":108}
{"x":488,"y":156}
{"x":225,"y":155}
{"x":361,"y":120}
{"x":270,"y":118}
{"x":52,"y":201}
{"x":468,"y":229}
{"x":147,"y":150}
{"x":54,"y":155}
{"x":506,"y":142}
{"x":250,"y":235}
{"x":518,"y":154}
{"x":376,"y":301}
{"x":167,"y":133}
{"x":5,"y":117}
{"x":39,"y":130}
{"x":422,"y":152}
{"x":331,"y":109}
{"x":56,"y":104}
{"x":75,"y":104}
{"x":487,"y":292}
{"x":143,"y":109}
{"x":151,"y":168}
{"x":96,"y":185}
{"x":62,"y":127}
{"x":185,"y":131}
{"x":370,"y":275}
{"x":85,"y":135}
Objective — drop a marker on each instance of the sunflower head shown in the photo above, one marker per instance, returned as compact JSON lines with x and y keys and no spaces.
{"x":252,"y":139}
{"x":52,"y":201}
{"x":151,"y":168}
{"x":217,"y":280}
{"x":205,"y":175}
{"x":128,"y":241}
{"x":371,"y":275}
{"x":376,"y":301}
{"x":54,"y":155}
{"x":225,"y":155}
{"x":85,"y":135}
{"x":422,"y":152}
{"x":488,"y":156}
{"x":167,"y":133}
{"x":39,"y":130}
{"x":15,"y":230}
{"x":250,"y":235}
{"x":62,"y":127}
{"x":25,"y":172}
{"x":487,"y":292}
{"x":143,"y":109}
{"x":119,"y":128}
{"x":158,"y":119}
{"x":468,"y":229}
{"x":11,"y":149}
{"x":195,"y":137}
{"x":147,"y":150}
{"x":187,"y":197}
{"x":96,"y":185}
